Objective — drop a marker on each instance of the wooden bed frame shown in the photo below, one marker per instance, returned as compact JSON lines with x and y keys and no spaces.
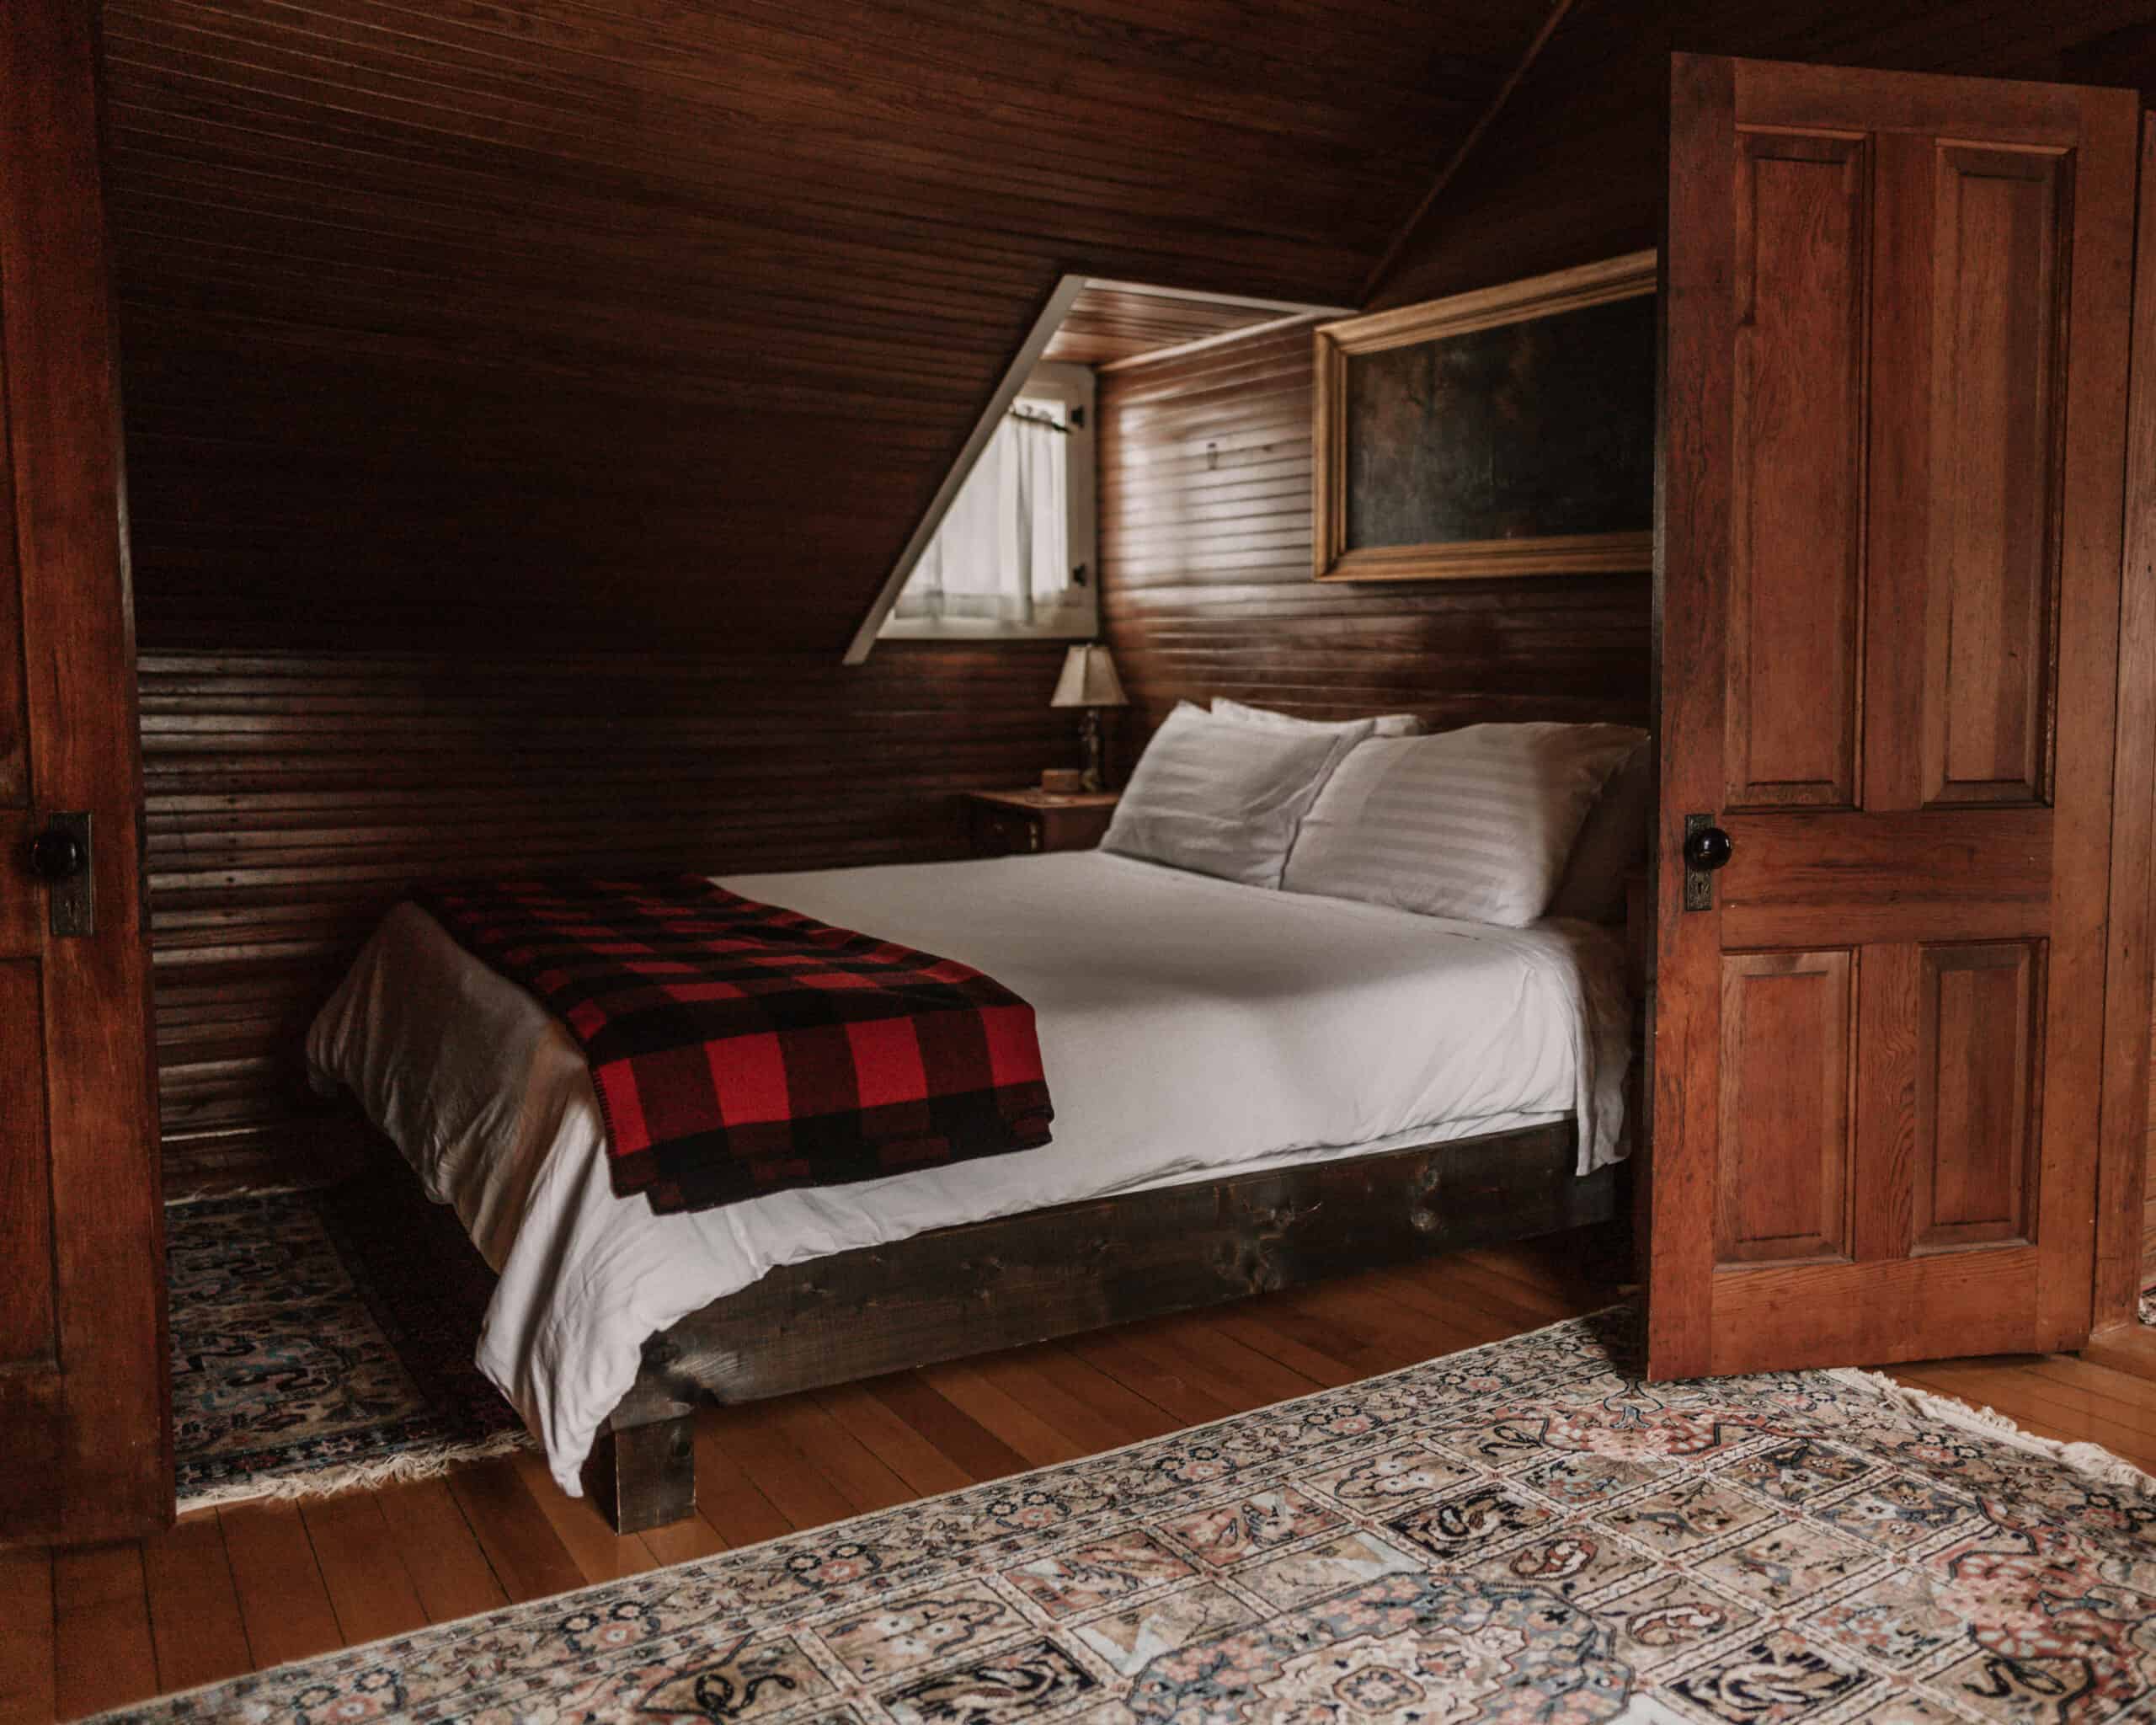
{"x":1018,"y":1280}
{"x":952,"y":1292}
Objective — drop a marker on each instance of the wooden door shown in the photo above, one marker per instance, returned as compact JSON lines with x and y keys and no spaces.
{"x":85,"y":1422}
{"x":1888,"y":600}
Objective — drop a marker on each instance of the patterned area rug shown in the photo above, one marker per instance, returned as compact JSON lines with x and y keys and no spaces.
{"x":1523,"y":1532}
{"x":297,"y":1370}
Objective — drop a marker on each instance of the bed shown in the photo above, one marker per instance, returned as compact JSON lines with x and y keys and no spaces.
{"x":1223,"y":1057}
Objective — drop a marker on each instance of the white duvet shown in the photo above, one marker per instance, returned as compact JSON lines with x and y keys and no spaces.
{"x":1189,"y":1026}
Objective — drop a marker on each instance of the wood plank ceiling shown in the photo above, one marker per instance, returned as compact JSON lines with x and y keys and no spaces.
{"x":579,"y":320}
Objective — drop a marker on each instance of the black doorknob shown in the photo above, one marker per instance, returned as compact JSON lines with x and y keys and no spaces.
{"x":1707,"y":850}
{"x":57,"y":854}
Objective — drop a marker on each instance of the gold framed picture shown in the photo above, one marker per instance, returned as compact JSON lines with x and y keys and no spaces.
{"x":1510,"y":431}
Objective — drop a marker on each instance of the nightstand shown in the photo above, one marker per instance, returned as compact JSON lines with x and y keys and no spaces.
{"x":1026,"y":822}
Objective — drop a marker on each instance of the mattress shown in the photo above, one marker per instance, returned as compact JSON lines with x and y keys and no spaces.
{"x":1191,"y":1029}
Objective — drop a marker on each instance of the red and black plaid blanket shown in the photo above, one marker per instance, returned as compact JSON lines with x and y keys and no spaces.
{"x":738,"y":1049}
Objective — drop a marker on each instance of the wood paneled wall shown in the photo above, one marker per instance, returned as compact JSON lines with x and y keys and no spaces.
{"x":1205,"y":550}
{"x":292,"y":795}
{"x":490,"y":332}
{"x":466,"y":336}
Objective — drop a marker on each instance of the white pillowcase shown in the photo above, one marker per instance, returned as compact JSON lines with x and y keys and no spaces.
{"x":1474,"y":824}
{"x":1613,"y":841}
{"x":1222,"y":797}
{"x":1390,"y":724}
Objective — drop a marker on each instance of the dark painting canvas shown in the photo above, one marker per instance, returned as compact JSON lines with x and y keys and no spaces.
{"x":1531,"y":429}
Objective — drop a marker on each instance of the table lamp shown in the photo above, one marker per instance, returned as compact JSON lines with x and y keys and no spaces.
{"x":1088,"y":682}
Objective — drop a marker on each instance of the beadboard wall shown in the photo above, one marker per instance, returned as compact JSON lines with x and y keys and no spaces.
{"x":1205,"y":549}
{"x":291,"y":796}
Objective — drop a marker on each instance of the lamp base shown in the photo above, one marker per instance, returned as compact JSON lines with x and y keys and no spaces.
{"x":1089,"y":736}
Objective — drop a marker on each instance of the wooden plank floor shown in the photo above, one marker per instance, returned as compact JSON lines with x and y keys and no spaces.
{"x":253,"y":1586}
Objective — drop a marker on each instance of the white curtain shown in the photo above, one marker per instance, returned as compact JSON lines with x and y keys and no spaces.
{"x":1001,"y":553}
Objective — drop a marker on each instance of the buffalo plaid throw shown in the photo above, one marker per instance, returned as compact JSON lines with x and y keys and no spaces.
{"x":738,"y":1049}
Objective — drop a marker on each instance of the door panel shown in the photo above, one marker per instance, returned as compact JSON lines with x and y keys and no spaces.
{"x":1796,"y":564}
{"x":1976,"y":1099}
{"x":2000,"y":233}
{"x":1941,"y":1306}
{"x":1794,"y":880}
{"x":1891,"y":507}
{"x":85,"y":1385}
{"x":1785,"y":1047}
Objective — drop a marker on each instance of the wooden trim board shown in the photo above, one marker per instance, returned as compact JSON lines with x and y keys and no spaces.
{"x":1059,"y":300}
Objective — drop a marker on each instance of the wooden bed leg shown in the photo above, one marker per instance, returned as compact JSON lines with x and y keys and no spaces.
{"x":644,"y":1476}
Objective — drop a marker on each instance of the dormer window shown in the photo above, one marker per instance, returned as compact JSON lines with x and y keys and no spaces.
{"x":1013,"y":556}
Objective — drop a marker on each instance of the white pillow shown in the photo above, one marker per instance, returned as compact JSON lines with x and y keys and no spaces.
{"x":1474,"y":824}
{"x":1613,"y":841}
{"x":1390,"y":724}
{"x":1225,"y":799}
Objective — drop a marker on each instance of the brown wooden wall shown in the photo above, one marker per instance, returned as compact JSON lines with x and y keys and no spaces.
{"x":291,"y":795}
{"x":1205,"y":550}
{"x":439,"y":339}
{"x":486,"y":333}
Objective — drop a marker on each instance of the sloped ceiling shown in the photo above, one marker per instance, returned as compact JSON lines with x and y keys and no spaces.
{"x":587,"y":320}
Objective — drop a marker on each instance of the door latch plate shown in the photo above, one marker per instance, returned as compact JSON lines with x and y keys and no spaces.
{"x":72,"y":903}
{"x":1698,"y":883}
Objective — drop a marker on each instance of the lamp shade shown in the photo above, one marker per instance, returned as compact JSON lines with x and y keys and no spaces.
{"x":1089,"y":680}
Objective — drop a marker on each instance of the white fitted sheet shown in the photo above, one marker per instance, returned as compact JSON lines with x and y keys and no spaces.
{"x":1190,"y":1027}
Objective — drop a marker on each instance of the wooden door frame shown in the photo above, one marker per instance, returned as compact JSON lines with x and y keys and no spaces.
{"x":90,"y":1396}
{"x":1692,"y":405}
{"x":2129,"y":964}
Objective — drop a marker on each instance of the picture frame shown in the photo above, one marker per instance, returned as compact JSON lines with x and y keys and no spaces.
{"x":1506,"y":432}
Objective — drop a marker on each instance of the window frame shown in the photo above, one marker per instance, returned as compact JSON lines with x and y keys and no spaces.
{"x":1076,"y":388}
